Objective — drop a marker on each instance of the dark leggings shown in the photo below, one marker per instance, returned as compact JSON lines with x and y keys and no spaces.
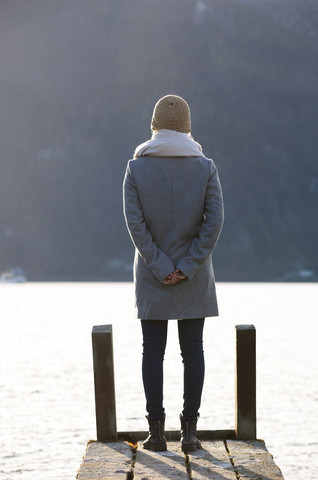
{"x":191,"y":345}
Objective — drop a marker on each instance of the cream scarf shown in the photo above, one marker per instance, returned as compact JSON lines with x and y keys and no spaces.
{"x":169,"y":143}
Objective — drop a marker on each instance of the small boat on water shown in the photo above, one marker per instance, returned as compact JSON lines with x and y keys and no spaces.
{"x":15,"y":275}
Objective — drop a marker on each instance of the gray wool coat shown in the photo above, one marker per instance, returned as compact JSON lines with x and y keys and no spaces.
{"x":173,"y":208}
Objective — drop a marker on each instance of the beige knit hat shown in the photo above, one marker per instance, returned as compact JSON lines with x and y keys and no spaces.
{"x":171,"y":112}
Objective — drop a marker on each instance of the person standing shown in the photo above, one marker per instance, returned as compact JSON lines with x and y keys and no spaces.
{"x":173,"y":208}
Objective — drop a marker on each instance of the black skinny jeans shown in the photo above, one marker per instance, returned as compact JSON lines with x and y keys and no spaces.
{"x":191,"y":345}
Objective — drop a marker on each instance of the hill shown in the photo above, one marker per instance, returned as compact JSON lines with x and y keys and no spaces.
{"x":78,"y":84}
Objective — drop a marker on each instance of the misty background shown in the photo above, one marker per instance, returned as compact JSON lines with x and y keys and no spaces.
{"x":78,"y":83}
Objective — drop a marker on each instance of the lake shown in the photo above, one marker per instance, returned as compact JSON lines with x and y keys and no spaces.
{"x":47,"y":390}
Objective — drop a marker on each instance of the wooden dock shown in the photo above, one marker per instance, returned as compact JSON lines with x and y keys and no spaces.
{"x":225,"y":454}
{"x":217,"y":460}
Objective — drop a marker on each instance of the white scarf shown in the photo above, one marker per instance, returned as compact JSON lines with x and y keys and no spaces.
{"x":169,"y":143}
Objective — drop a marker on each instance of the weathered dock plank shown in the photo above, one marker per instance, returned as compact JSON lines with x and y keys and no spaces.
{"x":174,"y":435}
{"x":160,"y":465}
{"x":252,"y":461}
{"x":212,"y":461}
{"x":217,"y":460}
{"x":103,"y":461}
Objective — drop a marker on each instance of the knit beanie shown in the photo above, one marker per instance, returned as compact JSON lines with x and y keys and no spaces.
{"x":171,"y":112}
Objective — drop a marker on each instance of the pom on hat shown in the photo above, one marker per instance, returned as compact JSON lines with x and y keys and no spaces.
{"x":171,"y":112}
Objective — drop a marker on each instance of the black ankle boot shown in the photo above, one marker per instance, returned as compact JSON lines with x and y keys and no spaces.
{"x":189,"y":441}
{"x":156,"y":440}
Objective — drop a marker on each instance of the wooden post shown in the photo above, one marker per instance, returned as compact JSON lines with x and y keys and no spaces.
{"x":245,"y":394}
{"x":105,"y":402}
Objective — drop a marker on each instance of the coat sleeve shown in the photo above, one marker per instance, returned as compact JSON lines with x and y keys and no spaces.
{"x":155,"y":259}
{"x":213,"y":217}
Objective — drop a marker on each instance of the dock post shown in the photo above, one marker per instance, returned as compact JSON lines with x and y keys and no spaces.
{"x":105,"y":402}
{"x":245,"y":388}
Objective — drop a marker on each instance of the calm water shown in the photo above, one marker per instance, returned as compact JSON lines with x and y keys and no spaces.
{"x":47,"y":392}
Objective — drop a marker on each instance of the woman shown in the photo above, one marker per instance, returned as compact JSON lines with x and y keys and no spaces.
{"x":174,"y":213}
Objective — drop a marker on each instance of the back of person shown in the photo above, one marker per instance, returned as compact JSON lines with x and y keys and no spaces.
{"x":172,"y":195}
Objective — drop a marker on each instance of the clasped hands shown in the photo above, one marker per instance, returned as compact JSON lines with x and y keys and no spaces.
{"x":174,"y":277}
